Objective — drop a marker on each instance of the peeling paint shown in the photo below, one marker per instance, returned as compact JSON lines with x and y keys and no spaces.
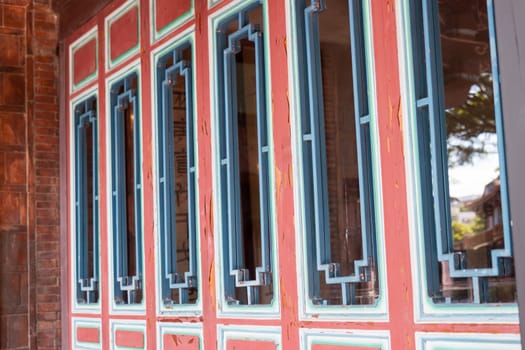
{"x":211,"y":281}
{"x":278,"y":185}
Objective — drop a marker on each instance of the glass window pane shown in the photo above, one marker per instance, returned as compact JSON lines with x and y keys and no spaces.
{"x":340,"y":197}
{"x":181,"y":255}
{"x":129,"y":153}
{"x":244,"y":159}
{"x":473,"y":149}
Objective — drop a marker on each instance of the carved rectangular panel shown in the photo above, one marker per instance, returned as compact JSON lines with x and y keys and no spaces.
{"x":169,"y":11}
{"x":88,"y":335}
{"x":83,"y":60}
{"x":129,"y":339}
{"x":123,"y":35}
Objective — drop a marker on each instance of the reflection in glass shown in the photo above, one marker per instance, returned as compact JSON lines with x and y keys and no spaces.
{"x":244,"y":152}
{"x":341,"y":150}
{"x":181,"y":186}
{"x":90,"y":178}
{"x":126,"y":189}
{"x":472,"y":146}
{"x":248,"y":156}
{"x":129,"y":154}
{"x":336,"y":155}
{"x":87,"y":202}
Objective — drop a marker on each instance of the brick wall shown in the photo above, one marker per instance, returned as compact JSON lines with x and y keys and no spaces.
{"x":29,"y":177}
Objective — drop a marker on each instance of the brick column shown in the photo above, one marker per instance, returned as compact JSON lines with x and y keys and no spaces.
{"x":29,"y":177}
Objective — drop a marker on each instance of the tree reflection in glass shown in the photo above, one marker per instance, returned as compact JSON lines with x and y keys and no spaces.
{"x":472,"y":143}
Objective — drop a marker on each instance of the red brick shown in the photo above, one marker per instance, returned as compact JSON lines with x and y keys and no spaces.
{"x":16,"y":2}
{"x":10,"y":51}
{"x":47,"y":26}
{"x":18,"y":330}
{"x":46,"y":106}
{"x":44,"y":59}
{"x":45,"y":67}
{"x":46,"y":98}
{"x":46,"y":164}
{"x":46,"y":115}
{"x":45,"y":307}
{"x":39,"y":204}
{"x":46,"y":298}
{"x":41,"y":325}
{"x":12,"y":129}
{"x":14,"y":89}
{"x":46,"y":180}
{"x":44,"y":90}
{"x":48,"y":246}
{"x":46,"y":139}
{"x":15,"y":168}
{"x":47,"y":280}
{"x":13,"y":208}
{"x":47,"y":148}
{"x":47,"y":213}
{"x":14,"y":17}
{"x":45,"y":123}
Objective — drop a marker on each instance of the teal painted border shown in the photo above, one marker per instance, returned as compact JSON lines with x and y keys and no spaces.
{"x":184,"y":18}
{"x":133,"y":67}
{"x":308,"y":310}
{"x":424,"y":309}
{"x":115,"y":15}
{"x":188,"y":37}
{"x":242,"y":311}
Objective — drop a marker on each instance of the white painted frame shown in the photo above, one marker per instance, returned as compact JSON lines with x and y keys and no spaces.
{"x":73,"y":283}
{"x":425,"y":311}
{"x":86,"y":323}
{"x":308,"y":311}
{"x":134,"y":309}
{"x":467,"y":341}
{"x":188,"y":36}
{"x":223,"y":309}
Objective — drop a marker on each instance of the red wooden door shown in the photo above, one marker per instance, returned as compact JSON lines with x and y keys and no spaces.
{"x":260,"y":179}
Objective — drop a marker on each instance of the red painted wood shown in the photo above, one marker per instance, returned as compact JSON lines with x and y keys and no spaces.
{"x":103,"y":154}
{"x":124,"y":36}
{"x":339,"y":347}
{"x":394,"y":185}
{"x":180,"y":342}
{"x":85,"y":61}
{"x":88,"y":335}
{"x":205,"y":176}
{"x":124,"y":33}
{"x":147,"y":166}
{"x":283,"y":173}
{"x":134,"y":340}
{"x":235,"y":344}
{"x":167,"y":11}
